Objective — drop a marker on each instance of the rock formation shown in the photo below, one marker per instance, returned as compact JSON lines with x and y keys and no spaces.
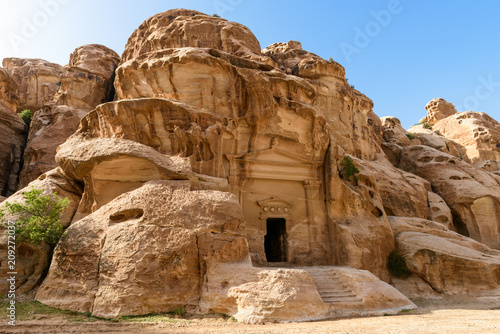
{"x":33,"y":260}
{"x":13,"y":131}
{"x":38,"y":80}
{"x":473,"y":195}
{"x":476,"y":132}
{"x":82,"y":85}
{"x":226,"y":179}
{"x":438,"y":109}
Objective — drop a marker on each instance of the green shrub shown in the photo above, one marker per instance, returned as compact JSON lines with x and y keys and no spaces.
{"x":216,"y":15}
{"x":331,"y":60}
{"x":352,"y":86}
{"x":426,"y":125}
{"x":26,"y":115}
{"x":411,"y":136}
{"x":348,"y":170}
{"x":39,"y":217}
{"x":180,"y":311}
{"x":397,"y":265}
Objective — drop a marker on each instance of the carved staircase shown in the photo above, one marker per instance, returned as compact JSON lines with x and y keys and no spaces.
{"x":331,"y":288}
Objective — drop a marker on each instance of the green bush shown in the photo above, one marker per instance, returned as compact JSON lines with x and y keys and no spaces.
{"x":216,"y":15}
{"x":426,"y":125}
{"x":180,"y":311}
{"x":397,"y":265}
{"x":348,"y":170}
{"x":26,"y":115}
{"x":411,"y":136}
{"x":39,"y":217}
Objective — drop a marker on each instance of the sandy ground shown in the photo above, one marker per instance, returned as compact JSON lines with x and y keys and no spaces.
{"x":433,"y":316}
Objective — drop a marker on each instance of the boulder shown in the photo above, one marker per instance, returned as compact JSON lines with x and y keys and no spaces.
{"x":110,"y":167}
{"x":438,"y":109}
{"x":145,"y":252}
{"x":446,"y":260}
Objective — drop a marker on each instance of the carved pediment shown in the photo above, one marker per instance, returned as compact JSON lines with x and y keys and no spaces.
{"x":274,"y":156}
{"x":275,"y":205}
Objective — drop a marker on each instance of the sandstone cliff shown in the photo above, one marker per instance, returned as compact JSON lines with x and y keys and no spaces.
{"x":218,"y":162}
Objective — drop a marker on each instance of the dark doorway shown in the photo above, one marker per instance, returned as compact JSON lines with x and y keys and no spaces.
{"x":275,"y":240}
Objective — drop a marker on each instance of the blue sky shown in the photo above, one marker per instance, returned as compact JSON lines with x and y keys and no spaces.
{"x":400,"y":53}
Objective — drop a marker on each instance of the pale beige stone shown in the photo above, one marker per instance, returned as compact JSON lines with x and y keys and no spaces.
{"x":438,"y":109}
{"x":145,"y":252}
{"x":439,"y":210}
{"x":447,"y":261}
{"x":280,"y":295}
{"x":88,"y":79}
{"x":180,"y":28}
{"x":477,"y":133}
{"x":82,"y":85}
{"x":472,"y":194}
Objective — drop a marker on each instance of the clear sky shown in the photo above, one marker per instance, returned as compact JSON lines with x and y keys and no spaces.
{"x":401,"y":54}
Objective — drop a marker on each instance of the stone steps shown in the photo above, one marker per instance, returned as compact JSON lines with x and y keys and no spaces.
{"x":331,"y":288}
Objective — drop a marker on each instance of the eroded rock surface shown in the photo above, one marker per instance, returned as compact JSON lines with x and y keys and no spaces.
{"x":32,"y":260}
{"x":473,"y":195}
{"x":447,"y":261}
{"x":82,"y":85}
{"x":438,"y":109}
{"x":13,"y":132}
{"x":476,"y":132}
{"x":39,"y":80}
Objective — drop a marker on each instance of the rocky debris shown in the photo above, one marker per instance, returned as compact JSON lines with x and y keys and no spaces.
{"x":32,"y":260}
{"x":85,"y":83}
{"x":473,"y":195}
{"x":39,"y":80}
{"x":447,"y":261}
{"x":12,"y":140}
{"x":438,"y":109}
{"x":476,"y":132}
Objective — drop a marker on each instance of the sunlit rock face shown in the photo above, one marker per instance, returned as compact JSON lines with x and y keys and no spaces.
{"x":207,"y":174}
{"x":84,"y":83}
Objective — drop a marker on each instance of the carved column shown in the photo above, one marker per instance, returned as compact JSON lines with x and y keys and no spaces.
{"x":312,"y":191}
